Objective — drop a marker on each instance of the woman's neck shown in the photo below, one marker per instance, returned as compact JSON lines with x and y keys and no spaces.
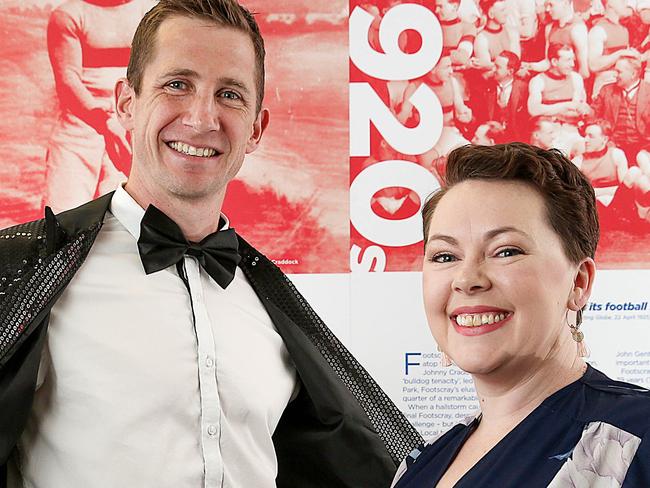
{"x":511,"y":394}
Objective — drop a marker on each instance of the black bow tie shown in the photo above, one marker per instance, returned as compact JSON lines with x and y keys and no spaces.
{"x":162,"y":244}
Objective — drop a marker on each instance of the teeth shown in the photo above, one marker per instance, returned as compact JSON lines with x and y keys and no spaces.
{"x":474,"y":320}
{"x":191,"y":150}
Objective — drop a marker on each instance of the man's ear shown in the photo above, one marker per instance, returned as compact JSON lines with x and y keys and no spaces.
{"x":259,"y":126}
{"x":124,"y":103}
{"x":582,"y":283}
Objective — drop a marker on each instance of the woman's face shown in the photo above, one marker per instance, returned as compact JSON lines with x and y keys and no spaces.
{"x":491,"y":258}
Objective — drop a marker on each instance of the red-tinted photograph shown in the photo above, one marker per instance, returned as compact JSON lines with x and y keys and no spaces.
{"x":61,"y":144}
{"x":565,"y":74}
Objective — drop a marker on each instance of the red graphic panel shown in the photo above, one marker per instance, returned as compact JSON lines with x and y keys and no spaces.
{"x":429,"y":76}
{"x":61,"y":144}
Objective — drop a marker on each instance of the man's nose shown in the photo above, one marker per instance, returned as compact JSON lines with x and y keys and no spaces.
{"x":202,"y":114}
{"x":471,"y":277}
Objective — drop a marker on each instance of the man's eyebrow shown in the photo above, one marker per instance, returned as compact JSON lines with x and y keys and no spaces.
{"x":189,"y":73}
{"x":488,"y":235}
{"x":234,"y":82}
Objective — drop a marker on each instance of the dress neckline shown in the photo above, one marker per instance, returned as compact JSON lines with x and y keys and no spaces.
{"x":547,"y":407}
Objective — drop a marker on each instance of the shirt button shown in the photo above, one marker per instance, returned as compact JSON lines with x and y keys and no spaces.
{"x":209,"y":362}
{"x":212,"y":430}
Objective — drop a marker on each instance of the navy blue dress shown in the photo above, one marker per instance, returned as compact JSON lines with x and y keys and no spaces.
{"x":592,"y":433}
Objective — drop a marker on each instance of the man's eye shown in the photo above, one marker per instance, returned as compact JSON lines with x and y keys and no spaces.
{"x":231,"y":95}
{"x":177,"y":85}
{"x":443,"y":257}
{"x":509,"y":252}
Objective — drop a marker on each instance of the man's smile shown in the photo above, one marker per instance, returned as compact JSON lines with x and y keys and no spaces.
{"x":189,"y":150}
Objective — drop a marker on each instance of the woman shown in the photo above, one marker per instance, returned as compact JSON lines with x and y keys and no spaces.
{"x":508,"y":269}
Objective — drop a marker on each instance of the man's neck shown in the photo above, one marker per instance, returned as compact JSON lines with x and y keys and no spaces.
{"x":450,"y":21}
{"x":196,"y":218}
{"x":493,"y":26}
{"x":555,"y":74}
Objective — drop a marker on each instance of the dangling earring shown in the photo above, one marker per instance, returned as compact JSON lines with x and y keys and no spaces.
{"x":578,"y":336}
{"x":444,"y":359}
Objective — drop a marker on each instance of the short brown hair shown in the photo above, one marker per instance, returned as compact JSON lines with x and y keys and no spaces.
{"x":227,"y":13}
{"x":568,"y":196}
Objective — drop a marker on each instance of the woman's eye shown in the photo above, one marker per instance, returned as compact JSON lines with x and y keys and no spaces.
{"x":509,"y":252}
{"x":443,"y":257}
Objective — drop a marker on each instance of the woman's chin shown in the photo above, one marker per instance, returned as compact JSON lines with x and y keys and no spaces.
{"x":476,"y":365}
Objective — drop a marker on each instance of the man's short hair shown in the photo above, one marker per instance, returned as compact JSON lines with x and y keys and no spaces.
{"x":514,"y":63}
{"x":486,"y":5}
{"x":605,"y":127}
{"x":568,"y":196}
{"x":555,"y":49}
{"x":634,"y":63}
{"x":226,"y":13}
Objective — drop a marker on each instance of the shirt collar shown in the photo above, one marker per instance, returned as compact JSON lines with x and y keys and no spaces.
{"x":632,"y":90}
{"x":129,"y":213}
{"x":503,"y":86}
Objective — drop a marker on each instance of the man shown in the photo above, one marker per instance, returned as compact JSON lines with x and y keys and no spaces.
{"x":496,"y":36}
{"x":489,"y":134}
{"x":560,"y":91}
{"x":207,"y":368}
{"x":457,"y":35}
{"x":622,"y":192}
{"x":505,"y":96}
{"x":609,"y":41}
{"x":454,"y":110}
{"x":568,"y":28}
{"x":624,"y":104}
{"x":604,"y":164}
{"x":88,"y":45}
{"x":544,"y":132}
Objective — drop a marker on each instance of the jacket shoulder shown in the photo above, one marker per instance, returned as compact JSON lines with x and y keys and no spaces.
{"x":20,"y":245}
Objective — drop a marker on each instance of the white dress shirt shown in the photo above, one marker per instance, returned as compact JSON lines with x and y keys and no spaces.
{"x":132,"y":394}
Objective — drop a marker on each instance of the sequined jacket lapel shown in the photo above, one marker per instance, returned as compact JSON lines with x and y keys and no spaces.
{"x":341,"y":430}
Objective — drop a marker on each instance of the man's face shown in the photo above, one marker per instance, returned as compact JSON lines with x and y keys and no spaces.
{"x":499,"y":13}
{"x":565,"y":62}
{"x":195,"y":117}
{"x":556,"y":8}
{"x":620,"y":7}
{"x":501,"y":71}
{"x":625,"y":74}
{"x":545,"y":135}
{"x":446,"y":10}
{"x":595,"y":140}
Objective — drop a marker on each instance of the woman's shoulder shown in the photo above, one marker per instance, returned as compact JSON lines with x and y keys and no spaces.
{"x":622,"y":405}
{"x":431,"y":447}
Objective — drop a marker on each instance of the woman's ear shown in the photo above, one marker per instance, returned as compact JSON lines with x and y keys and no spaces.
{"x":582,"y":283}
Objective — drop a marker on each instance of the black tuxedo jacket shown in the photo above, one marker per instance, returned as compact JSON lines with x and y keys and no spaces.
{"x":341,"y":431}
